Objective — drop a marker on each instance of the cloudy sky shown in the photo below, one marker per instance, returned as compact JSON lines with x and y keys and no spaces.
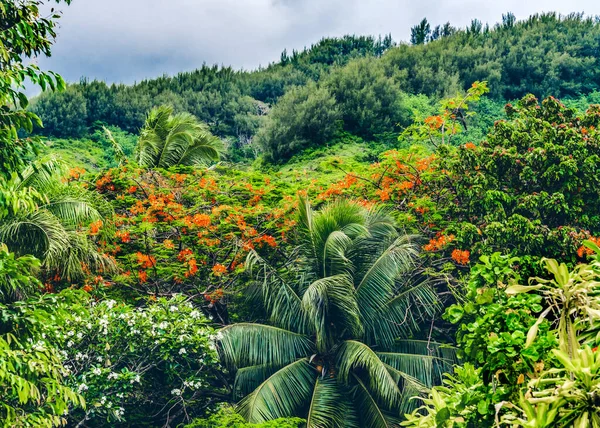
{"x":129,"y":40}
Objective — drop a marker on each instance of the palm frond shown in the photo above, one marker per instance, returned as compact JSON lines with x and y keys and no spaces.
{"x":403,"y":315}
{"x":283,"y":394}
{"x":117,"y":149}
{"x":78,"y":257}
{"x":370,"y":414}
{"x":40,"y":175}
{"x":281,"y":302}
{"x":247,"y":344}
{"x":411,"y":388}
{"x":330,"y":304}
{"x":353,"y":356}
{"x":39,"y":233}
{"x":168,"y":139}
{"x":421,"y":367}
{"x":376,"y":285}
{"x":334,"y":260}
{"x":443,"y":356}
{"x":247,"y":379}
{"x":329,"y":407}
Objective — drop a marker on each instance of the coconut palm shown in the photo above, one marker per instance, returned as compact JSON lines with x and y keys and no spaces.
{"x":332,"y":349}
{"x":168,"y":139}
{"x":44,"y":215}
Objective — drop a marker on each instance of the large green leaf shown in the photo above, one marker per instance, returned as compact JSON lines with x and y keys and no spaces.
{"x":329,"y":407}
{"x":247,"y":344}
{"x":285,"y":393}
{"x":330,"y":303}
{"x":353,"y":357}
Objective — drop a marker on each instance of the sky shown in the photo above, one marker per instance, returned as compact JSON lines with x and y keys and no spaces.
{"x":124,"y":41}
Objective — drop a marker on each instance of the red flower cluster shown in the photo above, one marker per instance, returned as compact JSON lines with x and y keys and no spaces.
{"x":461,"y":257}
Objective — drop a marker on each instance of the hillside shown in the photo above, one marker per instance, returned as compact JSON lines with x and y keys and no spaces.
{"x":363,"y":85}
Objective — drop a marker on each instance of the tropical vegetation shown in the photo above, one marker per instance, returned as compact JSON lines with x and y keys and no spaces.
{"x":362,"y":234}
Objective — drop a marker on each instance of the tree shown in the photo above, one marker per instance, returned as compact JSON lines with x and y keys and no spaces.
{"x":330,"y":352}
{"x":305,"y":116}
{"x":24,"y":33}
{"x":46,"y":217}
{"x":169,"y":139}
{"x":419,"y":33}
{"x":63,"y":114}
{"x":369,"y":101}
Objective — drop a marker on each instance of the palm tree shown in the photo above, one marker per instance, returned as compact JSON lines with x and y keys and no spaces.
{"x":43,"y":216}
{"x":331,"y":351}
{"x":168,"y":139}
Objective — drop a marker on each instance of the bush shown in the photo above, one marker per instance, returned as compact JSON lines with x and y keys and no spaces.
{"x":227,"y":418}
{"x":152,"y":365}
{"x":304,"y":117}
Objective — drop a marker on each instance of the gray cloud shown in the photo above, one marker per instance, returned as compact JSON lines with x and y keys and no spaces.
{"x":129,"y":40}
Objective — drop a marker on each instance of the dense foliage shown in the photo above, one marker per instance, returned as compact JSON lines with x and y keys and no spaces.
{"x":365,"y":83}
{"x":380,"y":237}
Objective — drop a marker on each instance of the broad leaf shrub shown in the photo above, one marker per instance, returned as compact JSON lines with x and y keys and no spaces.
{"x":35,"y":390}
{"x":532,"y":373}
{"x":151,"y":365}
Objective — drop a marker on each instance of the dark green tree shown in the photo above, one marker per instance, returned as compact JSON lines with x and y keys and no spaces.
{"x":420,"y":33}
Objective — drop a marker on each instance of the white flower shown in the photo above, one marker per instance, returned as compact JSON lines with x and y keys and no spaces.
{"x":79,"y":356}
{"x":103,"y":400}
{"x":97,"y":371}
{"x":110,"y":303}
{"x":112,"y":375}
{"x":99,"y":358}
{"x":195,"y":314}
{"x":70,"y":333}
{"x":89,"y":326}
{"x":39,"y":346}
{"x":69,"y":344}
{"x":176,"y":391}
{"x":79,"y":335}
{"x":119,"y":412}
{"x":219,"y":336}
{"x":82,"y":387}
{"x":212,"y":346}
{"x":163,"y":325}
{"x":182,"y":351}
{"x":173,"y":308}
{"x":135,"y":379}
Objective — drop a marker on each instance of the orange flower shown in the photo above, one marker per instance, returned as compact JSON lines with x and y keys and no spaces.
{"x":219,"y":269}
{"x":95,"y":227}
{"x":169,"y":244}
{"x":143,"y":275}
{"x":461,"y":257}
{"x":146,"y":261}
{"x":434,"y":122}
{"x":124,"y":235}
{"x":184,"y":254}
{"x":201,"y":220}
{"x":87,"y":288}
{"x":470,"y":146}
{"x":439,"y":242}
{"x":132,"y":189}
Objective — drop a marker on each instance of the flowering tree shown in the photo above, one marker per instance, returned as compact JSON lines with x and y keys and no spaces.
{"x":154,"y":365}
